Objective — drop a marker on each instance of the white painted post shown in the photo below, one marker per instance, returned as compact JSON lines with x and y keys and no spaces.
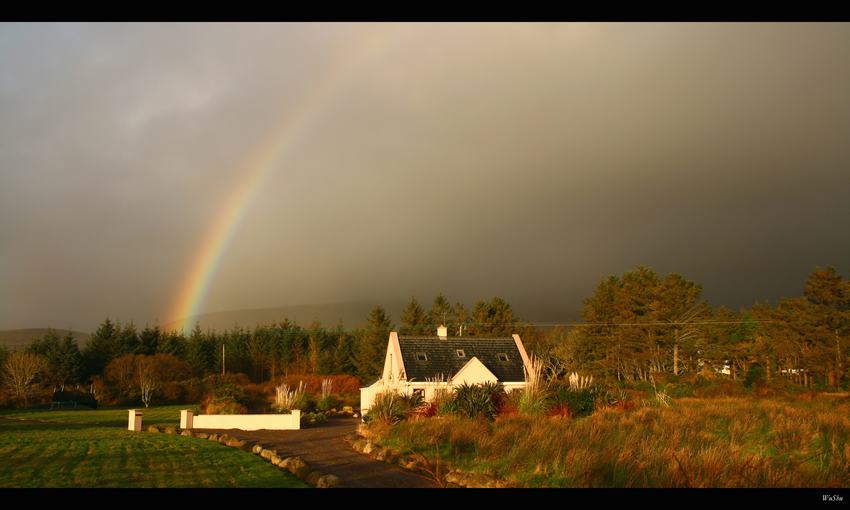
{"x":135,"y":420}
{"x":186,"y":418}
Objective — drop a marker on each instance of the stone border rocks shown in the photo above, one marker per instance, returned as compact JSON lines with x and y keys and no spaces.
{"x":420,"y":465}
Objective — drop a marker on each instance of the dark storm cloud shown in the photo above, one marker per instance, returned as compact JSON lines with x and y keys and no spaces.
{"x":526,"y":161}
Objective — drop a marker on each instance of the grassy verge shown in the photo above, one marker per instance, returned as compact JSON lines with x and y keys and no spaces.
{"x":92,"y":448}
{"x":165,"y":415}
{"x":723,"y":442}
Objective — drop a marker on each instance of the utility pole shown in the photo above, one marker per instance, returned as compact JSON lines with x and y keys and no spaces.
{"x":222,"y":359}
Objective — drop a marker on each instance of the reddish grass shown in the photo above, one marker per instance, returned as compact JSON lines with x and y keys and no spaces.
{"x":719,"y":442}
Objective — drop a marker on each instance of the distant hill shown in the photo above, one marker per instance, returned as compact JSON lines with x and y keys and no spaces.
{"x":352,"y":315}
{"x":18,"y":338}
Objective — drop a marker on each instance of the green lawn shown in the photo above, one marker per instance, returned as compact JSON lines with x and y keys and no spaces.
{"x":93,"y":448}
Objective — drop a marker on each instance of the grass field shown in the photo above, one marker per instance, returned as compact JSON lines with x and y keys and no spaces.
{"x":93,"y":448}
{"x":715,"y":442}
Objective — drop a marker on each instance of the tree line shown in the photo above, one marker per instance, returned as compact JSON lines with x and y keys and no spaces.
{"x":641,"y":323}
{"x":117,"y":352}
{"x":633,"y":325}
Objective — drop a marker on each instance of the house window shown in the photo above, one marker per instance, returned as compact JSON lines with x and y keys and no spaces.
{"x":503,"y":357}
{"x":460,"y":353}
{"x":421,"y":356}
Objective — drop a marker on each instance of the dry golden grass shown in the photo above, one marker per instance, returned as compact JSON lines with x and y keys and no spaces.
{"x":720,"y":442}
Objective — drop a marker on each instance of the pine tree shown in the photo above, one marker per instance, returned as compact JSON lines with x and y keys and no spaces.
{"x":440,"y":313}
{"x":460,"y":326}
{"x":371,"y":345}
{"x":62,"y":357}
{"x":413,"y":319}
{"x":493,"y":318}
{"x":200,"y":352}
{"x":101,"y":349}
{"x":149,"y":340}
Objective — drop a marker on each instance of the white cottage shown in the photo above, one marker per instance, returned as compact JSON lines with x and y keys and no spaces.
{"x":423,"y":364}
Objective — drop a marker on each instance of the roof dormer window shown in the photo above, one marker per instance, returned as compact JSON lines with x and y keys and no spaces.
{"x":503,"y":357}
{"x":460,"y":353}
{"x":421,"y":356}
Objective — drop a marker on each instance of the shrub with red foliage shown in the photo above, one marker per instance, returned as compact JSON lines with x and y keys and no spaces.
{"x":507,"y":404}
{"x":173,"y":393}
{"x":259,"y":396}
{"x":425,"y":411}
{"x":624,"y":405}
{"x":560,"y":411}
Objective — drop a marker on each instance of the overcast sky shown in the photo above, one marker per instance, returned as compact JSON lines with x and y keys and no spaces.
{"x":526,"y":161}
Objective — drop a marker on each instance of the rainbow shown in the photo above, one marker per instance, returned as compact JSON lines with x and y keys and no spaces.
{"x":256,"y":170}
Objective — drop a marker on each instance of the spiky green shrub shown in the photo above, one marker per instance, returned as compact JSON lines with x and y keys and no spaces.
{"x":444,"y":403}
{"x":414,"y":404}
{"x":476,"y":400}
{"x":388,"y":407}
{"x":533,"y":404}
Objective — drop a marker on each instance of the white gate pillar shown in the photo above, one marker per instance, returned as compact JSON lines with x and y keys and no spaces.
{"x":135,"y":420}
{"x":186,"y":418}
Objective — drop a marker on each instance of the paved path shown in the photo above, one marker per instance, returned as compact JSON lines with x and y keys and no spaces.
{"x":324,"y":448}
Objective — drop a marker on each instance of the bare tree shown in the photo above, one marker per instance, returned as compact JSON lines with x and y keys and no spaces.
{"x":148,"y":378}
{"x":20,"y":370}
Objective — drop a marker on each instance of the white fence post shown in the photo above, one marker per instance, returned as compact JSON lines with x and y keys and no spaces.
{"x":186,"y":419}
{"x":135,"y":420}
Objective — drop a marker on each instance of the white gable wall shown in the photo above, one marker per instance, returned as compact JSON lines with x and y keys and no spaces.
{"x":393,"y":362}
{"x":474,"y":372}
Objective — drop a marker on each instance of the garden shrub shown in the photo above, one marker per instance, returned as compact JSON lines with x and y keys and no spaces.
{"x":313,"y":418}
{"x":327,"y":403}
{"x":444,"y":403}
{"x":476,"y":400}
{"x":679,"y":390}
{"x":173,"y":393}
{"x":535,"y":403}
{"x":413,"y":403}
{"x":508,"y":405}
{"x":388,"y":408}
{"x":579,"y":403}
{"x":225,"y":399}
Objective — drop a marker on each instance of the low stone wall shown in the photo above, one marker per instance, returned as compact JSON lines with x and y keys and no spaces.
{"x":189,"y":421}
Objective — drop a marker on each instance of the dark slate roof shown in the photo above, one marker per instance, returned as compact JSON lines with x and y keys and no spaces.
{"x":443,"y":358}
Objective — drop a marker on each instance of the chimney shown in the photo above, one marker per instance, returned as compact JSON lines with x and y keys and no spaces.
{"x":442,"y":332}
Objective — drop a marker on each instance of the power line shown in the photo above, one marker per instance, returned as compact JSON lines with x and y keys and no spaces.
{"x":653,"y":323}
{"x":659,"y":323}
